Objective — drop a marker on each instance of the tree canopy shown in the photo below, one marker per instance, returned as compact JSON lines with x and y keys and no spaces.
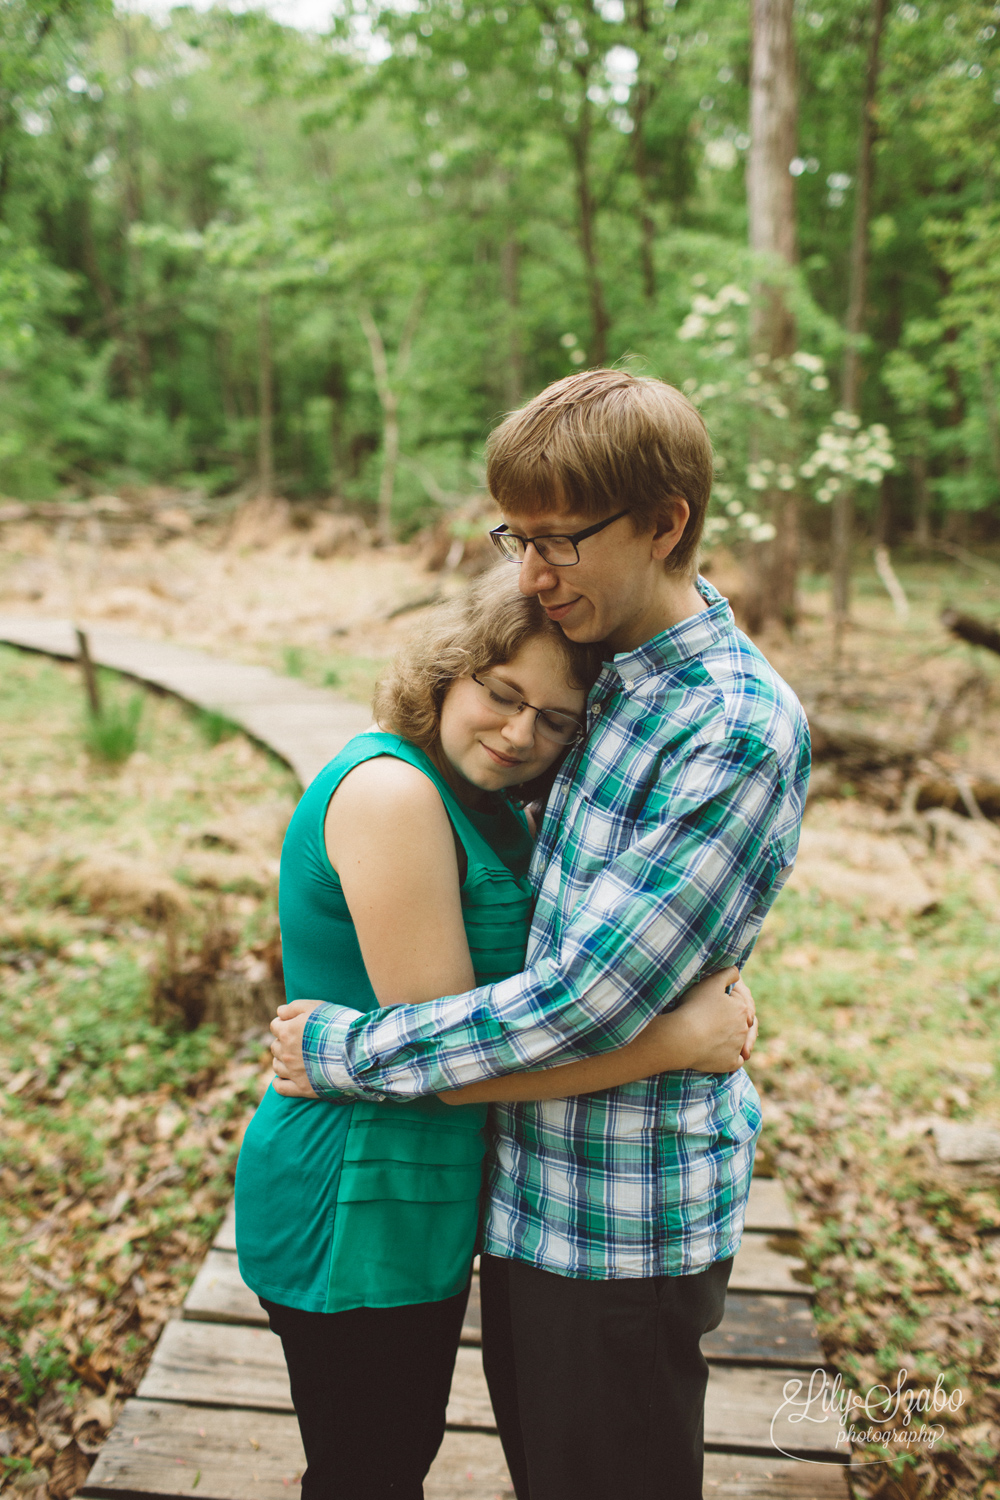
{"x":236,"y":254}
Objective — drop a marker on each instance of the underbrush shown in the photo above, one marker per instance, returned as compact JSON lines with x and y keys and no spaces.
{"x":127,"y":893}
{"x":871,"y":1032}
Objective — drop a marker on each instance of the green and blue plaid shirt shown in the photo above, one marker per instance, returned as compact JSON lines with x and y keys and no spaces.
{"x":669,"y":833}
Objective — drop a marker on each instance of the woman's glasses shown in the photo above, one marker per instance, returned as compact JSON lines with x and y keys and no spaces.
{"x":557,"y":551}
{"x":549,"y":722}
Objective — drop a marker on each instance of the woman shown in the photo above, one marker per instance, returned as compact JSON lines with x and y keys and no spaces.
{"x":404,"y":877}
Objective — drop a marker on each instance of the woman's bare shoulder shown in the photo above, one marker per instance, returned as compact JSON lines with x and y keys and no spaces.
{"x":387,"y":813}
{"x":386,"y":790}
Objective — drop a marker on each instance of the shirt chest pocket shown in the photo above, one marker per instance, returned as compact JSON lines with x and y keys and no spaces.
{"x":599,"y":834}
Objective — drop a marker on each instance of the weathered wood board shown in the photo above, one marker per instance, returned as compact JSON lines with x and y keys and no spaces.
{"x":212,"y":1364}
{"x":469,"y":1404}
{"x":744,"y":1412}
{"x":729,"y":1476}
{"x":222,"y":1365}
{"x":760,"y":1266}
{"x":765,"y":1329}
{"x":220,"y":1295}
{"x":157,"y":1449}
{"x":228,"y":1365}
{"x":768,"y":1207}
{"x":226,"y":1237}
{"x":161,"y":1450}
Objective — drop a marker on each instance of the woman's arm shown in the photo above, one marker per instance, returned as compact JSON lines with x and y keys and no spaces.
{"x":390,"y":841}
{"x":711,"y":1032}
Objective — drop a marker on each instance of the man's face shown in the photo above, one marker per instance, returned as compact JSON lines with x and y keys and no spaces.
{"x":611,"y":594}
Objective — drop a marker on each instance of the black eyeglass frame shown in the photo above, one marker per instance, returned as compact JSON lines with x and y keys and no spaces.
{"x":499,"y":532}
{"x":539,"y":712}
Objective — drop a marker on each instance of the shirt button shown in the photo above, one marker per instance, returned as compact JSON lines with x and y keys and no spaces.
{"x":595,"y":708}
{"x":629,"y":683}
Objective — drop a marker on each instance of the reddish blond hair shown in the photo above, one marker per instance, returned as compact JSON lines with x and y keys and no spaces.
{"x":599,"y":442}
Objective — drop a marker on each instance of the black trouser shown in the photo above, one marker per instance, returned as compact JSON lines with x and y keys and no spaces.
{"x":370,"y":1387}
{"x":599,"y":1386}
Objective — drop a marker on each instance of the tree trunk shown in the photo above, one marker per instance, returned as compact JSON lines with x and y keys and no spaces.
{"x":771,"y":207}
{"x":580,"y":145}
{"x":922,"y":498}
{"x":265,"y":402}
{"x":510,"y":283}
{"x":640,"y":108}
{"x":992,"y":417}
{"x":389,"y":398}
{"x":133,"y":213}
{"x":842,"y":520}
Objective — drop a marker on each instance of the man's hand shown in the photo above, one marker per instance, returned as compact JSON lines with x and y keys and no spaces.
{"x":287,"y":1027}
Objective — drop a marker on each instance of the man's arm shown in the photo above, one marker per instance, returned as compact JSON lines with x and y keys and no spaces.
{"x":676,"y":901}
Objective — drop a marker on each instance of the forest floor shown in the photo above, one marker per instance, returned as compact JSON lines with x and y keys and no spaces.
{"x":138,"y":901}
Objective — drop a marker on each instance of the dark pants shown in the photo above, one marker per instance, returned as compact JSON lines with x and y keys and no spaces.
{"x":599,"y":1386}
{"x":370,"y":1387}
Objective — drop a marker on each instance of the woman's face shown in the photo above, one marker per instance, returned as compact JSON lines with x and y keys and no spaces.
{"x":488,"y":750}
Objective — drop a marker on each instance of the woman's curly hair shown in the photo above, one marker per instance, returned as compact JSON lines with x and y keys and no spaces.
{"x":485,"y":628}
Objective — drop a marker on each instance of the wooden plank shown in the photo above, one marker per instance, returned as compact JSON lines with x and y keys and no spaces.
{"x":742,"y":1415}
{"x":160,"y":1450}
{"x":760,"y":1266}
{"x":212,"y":1364}
{"x":768,"y":1206}
{"x":226,"y":1237}
{"x":470,"y":1466}
{"x":220,"y":1295}
{"x":729,"y":1476}
{"x":765,"y":1329}
{"x":469,"y":1404}
{"x":228,"y":1365}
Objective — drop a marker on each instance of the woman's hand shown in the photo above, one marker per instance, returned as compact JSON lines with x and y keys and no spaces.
{"x":288,"y":1028}
{"x":721,"y":1027}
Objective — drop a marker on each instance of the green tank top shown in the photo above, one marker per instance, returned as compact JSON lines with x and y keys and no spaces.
{"x":372,"y":1205}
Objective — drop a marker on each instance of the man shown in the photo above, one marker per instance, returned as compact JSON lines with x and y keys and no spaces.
{"x":611,"y":1219}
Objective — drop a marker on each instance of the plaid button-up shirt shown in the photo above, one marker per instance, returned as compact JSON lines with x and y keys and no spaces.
{"x":668,"y":834}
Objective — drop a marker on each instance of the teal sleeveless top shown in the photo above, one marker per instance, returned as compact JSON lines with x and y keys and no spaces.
{"x":372,"y":1205}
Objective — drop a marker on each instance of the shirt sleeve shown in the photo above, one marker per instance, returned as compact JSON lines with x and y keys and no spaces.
{"x":675,"y":903}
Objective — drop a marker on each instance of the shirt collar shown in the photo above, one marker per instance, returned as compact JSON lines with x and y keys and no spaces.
{"x":691,"y":637}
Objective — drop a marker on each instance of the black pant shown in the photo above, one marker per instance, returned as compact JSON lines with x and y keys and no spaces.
{"x":599,"y":1386}
{"x":370,"y":1387}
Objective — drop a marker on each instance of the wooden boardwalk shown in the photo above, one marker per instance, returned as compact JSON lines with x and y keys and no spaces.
{"x":304,"y":726}
{"x":213,"y":1416}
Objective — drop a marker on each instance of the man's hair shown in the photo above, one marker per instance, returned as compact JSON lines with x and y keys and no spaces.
{"x":485,"y":628}
{"x":601,"y":441}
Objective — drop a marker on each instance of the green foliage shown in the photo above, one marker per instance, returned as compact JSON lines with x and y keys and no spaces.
{"x":507,"y":193}
{"x":215,"y":726}
{"x":113,"y":735}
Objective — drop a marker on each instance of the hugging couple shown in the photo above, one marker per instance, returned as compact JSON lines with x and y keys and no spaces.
{"x":589,"y":1045}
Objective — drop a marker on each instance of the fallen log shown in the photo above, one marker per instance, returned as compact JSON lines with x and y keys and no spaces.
{"x":968,"y":628}
{"x":862,"y":756}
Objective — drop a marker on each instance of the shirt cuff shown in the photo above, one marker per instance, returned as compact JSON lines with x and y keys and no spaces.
{"x":323,"y":1052}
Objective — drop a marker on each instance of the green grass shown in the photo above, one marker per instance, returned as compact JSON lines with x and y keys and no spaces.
{"x":215,"y":726}
{"x":100,"y":1098}
{"x":113,"y":735}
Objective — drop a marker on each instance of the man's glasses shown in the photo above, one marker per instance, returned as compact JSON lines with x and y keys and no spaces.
{"x":557,"y":551}
{"x":549,"y":722}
